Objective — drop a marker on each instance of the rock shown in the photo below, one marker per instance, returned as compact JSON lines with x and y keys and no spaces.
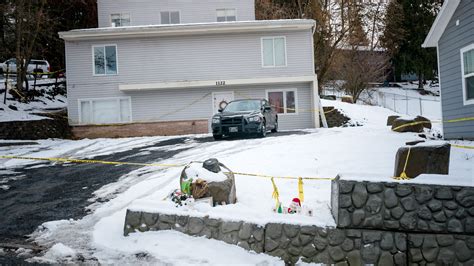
{"x":133,"y":218}
{"x":374,"y":187}
{"x":386,"y":259}
{"x":391,"y":118}
{"x":309,"y":251}
{"x":451,"y":205}
{"x":347,"y":99}
{"x":425,"y":122}
{"x":470,"y":225}
{"x":423,"y":194}
{"x":246,"y":231}
{"x":150,"y":218}
{"x":403,"y":190}
{"x":444,"y":193}
{"x":369,"y":237}
{"x":408,"y":220}
{"x":294,"y":251}
{"x":308,"y":230}
{"x":374,"y":204}
{"x":336,"y":237}
{"x":290,"y":230}
{"x":258,"y":233}
{"x":358,"y":216}
{"x":423,"y":160}
{"x":370,"y":254}
{"x":463,"y":253}
{"x":424,"y":213}
{"x":423,"y":225}
{"x":347,"y":245}
{"x":440,"y":217}
{"x":446,"y":257}
{"x":415,"y":255}
{"x":465,"y":197}
{"x":387,"y":241}
{"x":445,"y":240}
{"x":374,"y":221}
{"x":359,"y":195}
{"x":195,"y":225}
{"x":391,"y":224}
{"x":169,"y":219}
{"x":413,"y":143}
{"x":212,"y":165}
{"x":345,"y":201}
{"x":354,"y":258}
{"x":227,"y":227}
{"x":320,"y":243}
{"x":391,"y":200}
{"x":400,"y":241}
{"x":273,"y":230}
{"x":344,"y":218}
{"x":305,"y":239}
{"x":461,"y":213}
{"x":353,"y":233}
{"x":397,"y":212}
{"x":435,"y":205}
{"x":409,"y":203}
{"x":406,"y":125}
{"x":436,"y":227}
{"x":212,"y":222}
{"x":14,"y":108}
{"x":336,"y":253}
{"x":399,"y":258}
{"x":430,"y":248}
{"x":270,"y":244}
{"x":455,"y":226}
{"x":345,"y":187}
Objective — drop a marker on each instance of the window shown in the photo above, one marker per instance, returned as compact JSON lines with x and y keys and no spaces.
{"x":274,"y":51}
{"x":226,"y":14}
{"x":467,"y":59}
{"x":120,"y":19}
{"x":104,"y":111}
{"x":105,"y":60}
{"x":170,"y":17}
{"x":284,"y":101}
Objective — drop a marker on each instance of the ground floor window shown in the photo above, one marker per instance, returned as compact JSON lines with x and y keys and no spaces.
{"x":284,"y":101}
{"x":105,"y":111}
{"x":467,"y":58}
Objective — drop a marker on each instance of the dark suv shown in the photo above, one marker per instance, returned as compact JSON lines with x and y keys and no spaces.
{"x":239,"y":117}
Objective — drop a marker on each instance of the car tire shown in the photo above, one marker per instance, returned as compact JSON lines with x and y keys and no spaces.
{"x":263,"y":132}
{"x":275,"y":129}
{"x":217,"y":137}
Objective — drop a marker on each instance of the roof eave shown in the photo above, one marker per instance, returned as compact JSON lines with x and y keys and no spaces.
{"x":440,"y":23}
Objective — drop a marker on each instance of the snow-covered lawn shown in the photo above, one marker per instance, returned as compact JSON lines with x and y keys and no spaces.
{"x":367,"y":151}
{"x":26,"y":111}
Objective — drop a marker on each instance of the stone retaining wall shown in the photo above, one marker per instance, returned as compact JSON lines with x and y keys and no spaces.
{"x":403,"y":207}
{"x":35,"y":129}
{"x":334,"y":117}
{"x":289,"y":242}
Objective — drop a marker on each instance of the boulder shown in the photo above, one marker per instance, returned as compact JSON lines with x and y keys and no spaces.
{"x":423,"y":160}
{"x":406,"y":125}
{"x":425,"y":122}
{"x":220,"y":191}
{"x":347,"y":99}
{"x":391,"y":118}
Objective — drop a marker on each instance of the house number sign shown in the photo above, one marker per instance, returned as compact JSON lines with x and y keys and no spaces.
{"x":220,"y":83}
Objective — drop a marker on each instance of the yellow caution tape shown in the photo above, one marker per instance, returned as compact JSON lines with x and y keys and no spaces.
{"x":71,"y":160}
{"x":459,"y":120}
{"x":434,"y":121}
{"x":462,"y":146}
{"x":284,"y":177}
{"x":275,"y":194}
{"x":300,"y":189}
{"x":403,"y":175}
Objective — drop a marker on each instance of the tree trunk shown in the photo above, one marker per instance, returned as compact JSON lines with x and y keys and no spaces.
{"x":420,"y":80}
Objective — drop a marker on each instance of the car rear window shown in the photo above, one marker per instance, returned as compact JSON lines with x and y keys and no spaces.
{"x":39,"y":63}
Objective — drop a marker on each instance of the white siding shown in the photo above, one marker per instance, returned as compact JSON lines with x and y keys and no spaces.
{"x":147,"y":12}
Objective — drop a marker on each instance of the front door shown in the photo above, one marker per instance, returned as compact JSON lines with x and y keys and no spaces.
{"x":221,"y":99}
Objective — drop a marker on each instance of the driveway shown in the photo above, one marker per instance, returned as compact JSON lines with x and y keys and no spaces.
{"x":51,"y":191}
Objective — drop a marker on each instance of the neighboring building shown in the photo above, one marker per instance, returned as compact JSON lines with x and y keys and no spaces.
{"x":142,"y":79}
{"x":453,"y":34}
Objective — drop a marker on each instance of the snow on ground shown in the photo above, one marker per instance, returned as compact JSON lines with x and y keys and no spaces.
{"x":367,"y":151}
{"x":25,"y":111}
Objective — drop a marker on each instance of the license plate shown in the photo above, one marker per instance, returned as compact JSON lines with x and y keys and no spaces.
{"x":233,"y":129}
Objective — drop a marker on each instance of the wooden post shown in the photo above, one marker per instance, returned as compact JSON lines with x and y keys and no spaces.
{"x":6,"y":84}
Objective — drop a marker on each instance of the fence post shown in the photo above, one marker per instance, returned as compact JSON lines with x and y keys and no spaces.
{"x":421,"y":106}
{"x":6,"y":84}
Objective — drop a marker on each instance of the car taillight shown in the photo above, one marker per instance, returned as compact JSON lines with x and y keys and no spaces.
{"x":49,"y":68}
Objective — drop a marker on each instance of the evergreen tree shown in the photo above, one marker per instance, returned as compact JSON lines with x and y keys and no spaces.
{"x":407,"y":24}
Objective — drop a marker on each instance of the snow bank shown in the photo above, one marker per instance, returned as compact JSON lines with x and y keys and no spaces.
{"x":196,"y":171}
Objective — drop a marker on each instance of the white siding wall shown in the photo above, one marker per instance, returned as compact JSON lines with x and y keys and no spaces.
{"x":147,"y":12}
{"x":211,"y":57}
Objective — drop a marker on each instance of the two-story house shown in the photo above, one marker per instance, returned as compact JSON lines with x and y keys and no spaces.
{"x":161,"y":67}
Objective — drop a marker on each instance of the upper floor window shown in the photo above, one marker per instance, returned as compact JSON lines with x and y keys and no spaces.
{"x":467,"y":58}
{"x":226,"y":14}
{"x":170,"y":17}
{"x":274,"y":51}
{"x":120,"y":19}
{"x":105,"y":60}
